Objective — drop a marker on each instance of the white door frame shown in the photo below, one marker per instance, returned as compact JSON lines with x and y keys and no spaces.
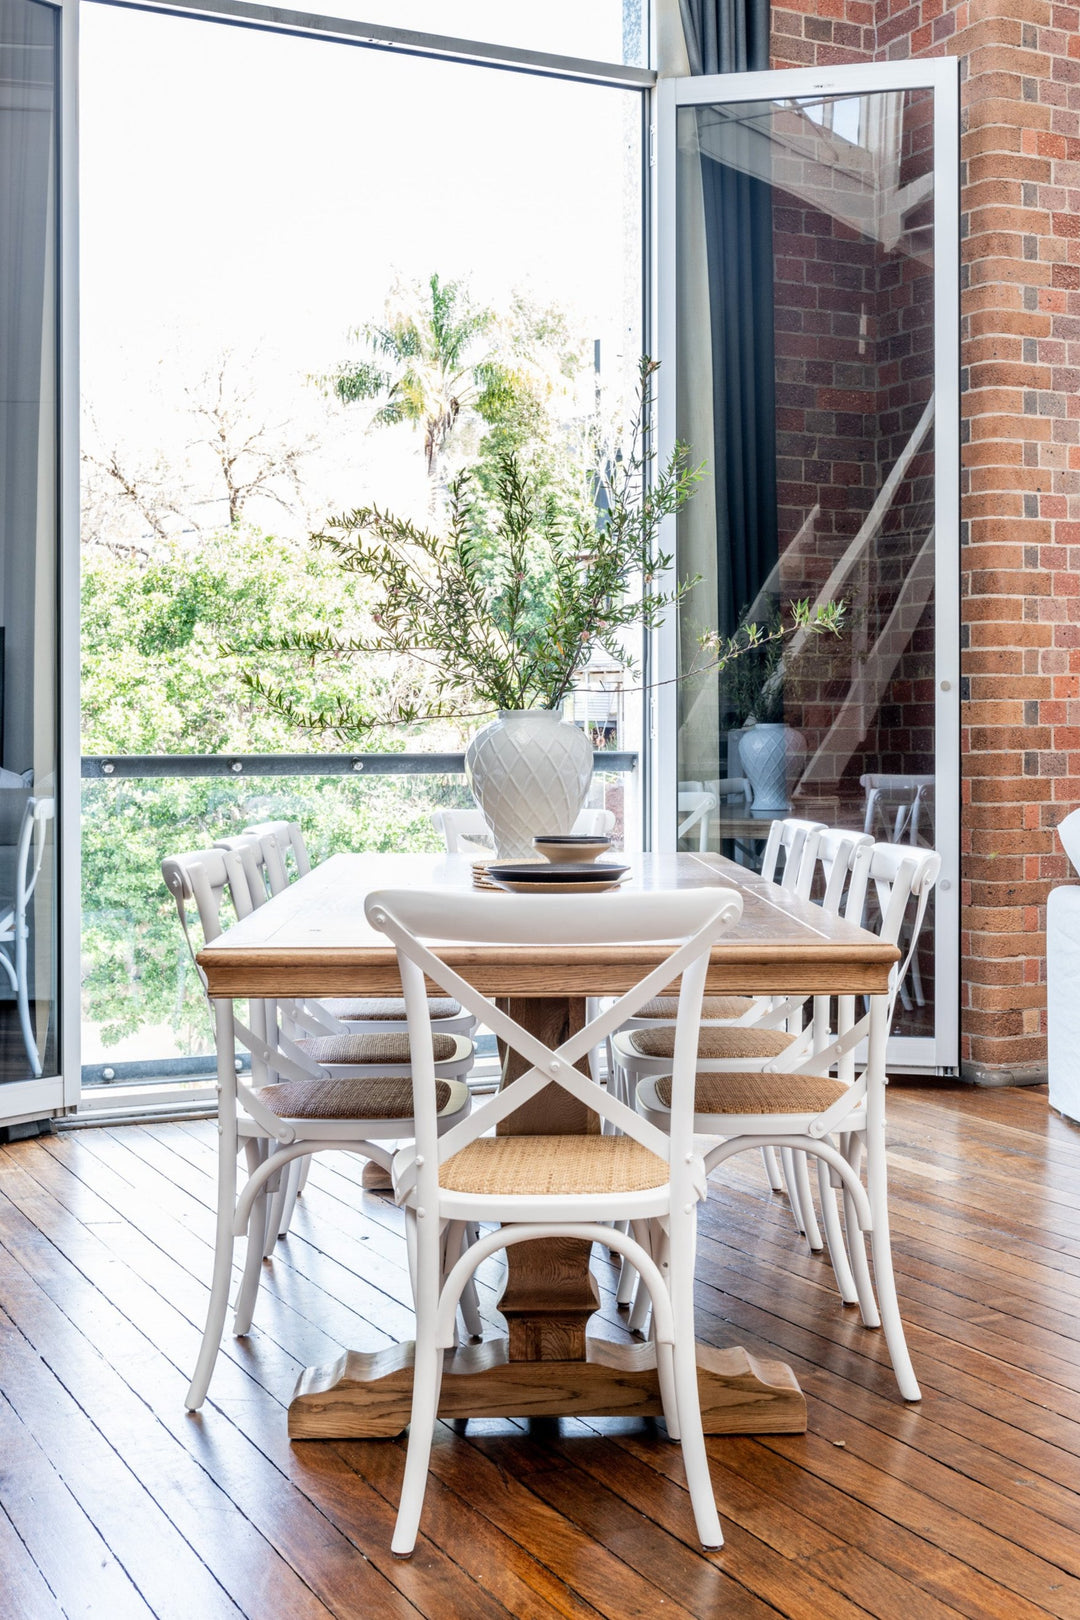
{"x":58,"y":1093}
{"x":941,"y":76}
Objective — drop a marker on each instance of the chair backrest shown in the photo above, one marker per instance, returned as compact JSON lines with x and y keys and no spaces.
{"x":454,"y":826}
{"x":463,"y":831}
{"x":249,"y":849}
{"x":280,"y":840}
{"x":694,"y":811}
{"x":731,"y":790}
{"x":901,"y":877}
{"x":836,"y":854}
{"x":32,"y":835}
{"x":798,"y":840}
{"x":691,"y":920}
{"x":203,"y":878}
{"x":896,"y":805}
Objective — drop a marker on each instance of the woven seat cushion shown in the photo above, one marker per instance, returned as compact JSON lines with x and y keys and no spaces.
{"x":759,"y":1093}
{"x":714,"y":1043}
{"x":390,"y":1007}
{"x":711,"y":1007}
{"x":372,"y":1048}
{"x":498,"y":1166}
{"x":346,"y":1099}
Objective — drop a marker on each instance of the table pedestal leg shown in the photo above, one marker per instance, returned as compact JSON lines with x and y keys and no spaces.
{"x":550,"y":1292}
{"x":546,"y":1366}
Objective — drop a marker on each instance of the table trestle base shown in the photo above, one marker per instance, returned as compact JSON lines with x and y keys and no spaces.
{"x":366,"y":1395}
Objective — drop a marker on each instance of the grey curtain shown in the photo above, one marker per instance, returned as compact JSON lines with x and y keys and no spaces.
{"x":725,"y":36}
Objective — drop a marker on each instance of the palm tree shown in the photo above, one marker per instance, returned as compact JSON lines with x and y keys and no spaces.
{"x":428,"y":363}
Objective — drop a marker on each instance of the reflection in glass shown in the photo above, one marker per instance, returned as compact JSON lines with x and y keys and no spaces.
{"x":805,"y":253}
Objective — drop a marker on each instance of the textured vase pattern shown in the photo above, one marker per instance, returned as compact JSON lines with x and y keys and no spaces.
{"x":771,"y":756}
{"x":529,"y":772}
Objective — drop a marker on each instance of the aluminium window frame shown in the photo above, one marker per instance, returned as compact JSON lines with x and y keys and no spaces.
{"x":939,"y":1053}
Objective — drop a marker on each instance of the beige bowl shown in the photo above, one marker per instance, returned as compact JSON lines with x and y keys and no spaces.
{"x":570,"y":847}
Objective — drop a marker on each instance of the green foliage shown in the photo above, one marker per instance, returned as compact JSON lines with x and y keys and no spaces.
{"x":155,"y":681}
{"x":751,"y":663}
{"x":423,"y":362}
{"x":136,"y":970}
{"x":504,"y":608}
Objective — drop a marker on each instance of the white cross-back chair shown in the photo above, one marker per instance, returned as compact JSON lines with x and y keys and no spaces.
{"x":900,"y":808}
{"x":295,"y":1105}
{"x":542,"y":1186}
{"x":796,"y":840}
{"x":285,"y":851}
{"x":465,"y":832}
{"x":694,"y":809}
{"x":263,"y":851}
{"x":833,"y":1118}
{"x":757,"y":1031}
{"x":14,"y":909}
{"x":897,"y":806}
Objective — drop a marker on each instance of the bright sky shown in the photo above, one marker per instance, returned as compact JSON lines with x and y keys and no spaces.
{"x":260,"y":192}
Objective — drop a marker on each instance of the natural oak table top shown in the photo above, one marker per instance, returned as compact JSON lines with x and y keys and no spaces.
{"x":313,"y":940}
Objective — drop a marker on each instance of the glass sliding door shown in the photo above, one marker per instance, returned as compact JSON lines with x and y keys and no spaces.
{"x":30,"y":504}
{"x":809,"y":278}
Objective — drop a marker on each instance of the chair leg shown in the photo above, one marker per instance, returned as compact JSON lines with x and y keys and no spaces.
{"x":22,"y":996}
{"x":669,"y":1400}
{"x":638,"y":1320}
{"x":772,"y":1169}
{"x":806,"y":1203}
{"x":787,"y":1159}
{"x":258,"y":1233}
{"x":695,"y":1460}
{"x":628,"y":1277}
{"x":226,"y":1204}
{"x":276,"y":1192}
{"x":834,"y":1237}
{"x":458,"y":1237}
{"x":296,"y":1173}
{"x":851,"y":1148}
{"x":427,"y":1380}
{"x":877,"y":1191}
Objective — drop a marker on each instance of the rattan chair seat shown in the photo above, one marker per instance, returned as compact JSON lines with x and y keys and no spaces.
{"x":711,"y":1007}
{"x":346,"y":1099}
{"x":759,"y":1093}
{"x":538,"y":1166}
{"x":385,"y":1048}
{"x":714,"y":1043}
{"x":358,"y":1008}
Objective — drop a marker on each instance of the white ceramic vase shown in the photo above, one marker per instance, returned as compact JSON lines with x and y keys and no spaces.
{"x":771,"y":754}
{"x":529,"y":771}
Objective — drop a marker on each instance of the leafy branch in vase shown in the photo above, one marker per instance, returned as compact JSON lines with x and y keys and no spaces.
{"x":505,"y":608}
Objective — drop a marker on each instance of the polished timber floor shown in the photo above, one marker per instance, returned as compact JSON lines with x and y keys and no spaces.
{"x":115,"y":1503}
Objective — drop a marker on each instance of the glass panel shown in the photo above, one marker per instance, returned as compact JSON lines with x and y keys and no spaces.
{"x":805,"y":373}
{"x":144,"y":1013}
{"x":208,"y":313}
{"x":29,"y":57}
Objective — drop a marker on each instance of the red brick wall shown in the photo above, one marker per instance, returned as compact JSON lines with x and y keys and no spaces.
{"x":1020,"y":311}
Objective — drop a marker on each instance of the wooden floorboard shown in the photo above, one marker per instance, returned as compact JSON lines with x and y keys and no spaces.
{"x":115,"y":1502}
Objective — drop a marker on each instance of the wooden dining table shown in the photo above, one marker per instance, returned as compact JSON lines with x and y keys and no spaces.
{"x":312,"y":940}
